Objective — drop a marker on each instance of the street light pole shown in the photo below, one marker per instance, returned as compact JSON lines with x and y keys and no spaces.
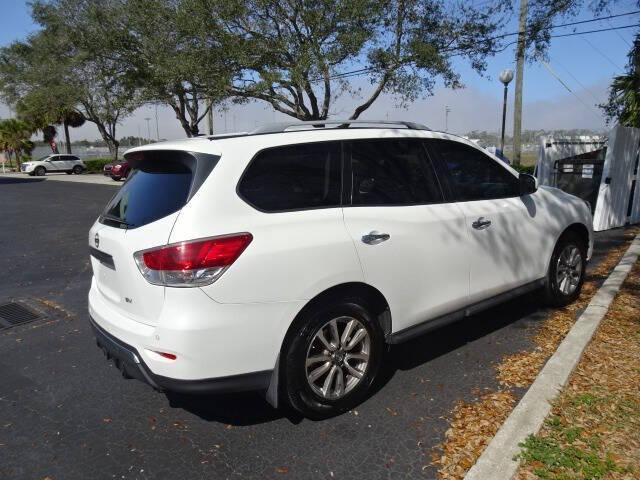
{"x":505,"y":77}
{"x":148,"y":129}
{"x":157,"y":128}
{"x":446,"y":118}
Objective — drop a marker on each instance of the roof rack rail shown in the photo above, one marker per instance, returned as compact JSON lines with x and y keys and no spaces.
{"x":321,"y":124}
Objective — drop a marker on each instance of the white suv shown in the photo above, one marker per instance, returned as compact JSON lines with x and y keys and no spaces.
{"x":54,"y":163}
{"x":285,"y":259}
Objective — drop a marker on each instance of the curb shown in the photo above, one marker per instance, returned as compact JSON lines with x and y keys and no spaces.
{"x":497,"y":461}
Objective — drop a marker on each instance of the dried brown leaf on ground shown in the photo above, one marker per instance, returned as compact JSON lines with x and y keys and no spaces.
{"x":521,"y":369}
{"x":465,"y":442}
{"x":472,"y":426}
{"x":594,"y":428}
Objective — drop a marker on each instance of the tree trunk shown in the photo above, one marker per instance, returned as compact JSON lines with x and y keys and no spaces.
{"x":113,"y":148}
{"x":108,"y":138}
{"x":66,"y":137}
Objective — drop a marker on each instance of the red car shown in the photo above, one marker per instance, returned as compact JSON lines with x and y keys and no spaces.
{"x":120,"y":170}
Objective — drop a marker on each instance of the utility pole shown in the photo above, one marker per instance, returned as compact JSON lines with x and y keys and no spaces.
{"x":210,"y":117}
{"x":517,"y":108}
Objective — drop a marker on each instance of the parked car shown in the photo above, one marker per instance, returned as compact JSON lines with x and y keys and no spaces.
{"x":120,"y":171}
{"x":286,"y":260}
{"x":106,"y":170}
{"x":54,"y":163}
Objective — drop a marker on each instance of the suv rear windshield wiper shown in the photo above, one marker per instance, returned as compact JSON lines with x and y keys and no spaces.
{"x":117,"y":220}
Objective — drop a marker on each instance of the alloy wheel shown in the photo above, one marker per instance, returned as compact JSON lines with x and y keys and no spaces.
{"x":338,"y":357}
{"x":569,"y":269}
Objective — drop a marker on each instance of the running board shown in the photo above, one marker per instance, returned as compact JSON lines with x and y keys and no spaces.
{"x":441,"y":321}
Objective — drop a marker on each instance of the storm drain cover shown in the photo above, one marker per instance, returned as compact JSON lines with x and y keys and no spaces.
{"x":14,"y":314}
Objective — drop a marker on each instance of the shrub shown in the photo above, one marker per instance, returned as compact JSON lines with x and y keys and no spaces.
{"x":95,"y":165}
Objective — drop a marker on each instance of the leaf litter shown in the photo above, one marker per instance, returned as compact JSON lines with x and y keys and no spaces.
{"x":474,"y":424}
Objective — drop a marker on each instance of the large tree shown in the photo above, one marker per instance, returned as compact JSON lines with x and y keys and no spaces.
{"x":89,"y":54}
{"x":292,"y":54}
{"x":34,"y":83}
{"x":175,"y":64}
{"x":60,"y":70}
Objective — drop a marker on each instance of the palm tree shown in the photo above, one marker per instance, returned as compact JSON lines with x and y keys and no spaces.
{"x":15,"y":138}
{"x":624,"y":93}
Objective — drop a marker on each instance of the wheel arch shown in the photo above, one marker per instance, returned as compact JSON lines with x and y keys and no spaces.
{"x":374,"y":300}
{"x":580,"y":229}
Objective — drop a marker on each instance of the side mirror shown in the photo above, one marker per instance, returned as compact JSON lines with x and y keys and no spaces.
{"x":528,"y":184}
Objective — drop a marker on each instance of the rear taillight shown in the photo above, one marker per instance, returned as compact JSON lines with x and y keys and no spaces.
{"x":191,"y":264}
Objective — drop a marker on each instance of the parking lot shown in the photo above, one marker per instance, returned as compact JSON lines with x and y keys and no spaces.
{"x":66,"y":413}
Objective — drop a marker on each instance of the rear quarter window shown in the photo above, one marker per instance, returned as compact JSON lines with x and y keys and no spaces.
{"x":293,"y":177}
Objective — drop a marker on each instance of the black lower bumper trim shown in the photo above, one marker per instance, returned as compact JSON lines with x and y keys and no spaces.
{"x":131,"y":364}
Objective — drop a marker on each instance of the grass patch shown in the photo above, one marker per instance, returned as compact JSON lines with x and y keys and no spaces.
{"x":594,"y":430}
{"x":553,"y":459}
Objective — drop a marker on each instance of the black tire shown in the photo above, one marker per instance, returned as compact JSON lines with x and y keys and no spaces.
{"x":553,"y":290}
{"x":40,"y":172}
{"x":77,"y":170}
{"x":296,"y":389}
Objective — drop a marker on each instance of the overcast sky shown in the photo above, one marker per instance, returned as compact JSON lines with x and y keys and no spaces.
{"x":584,"y":63}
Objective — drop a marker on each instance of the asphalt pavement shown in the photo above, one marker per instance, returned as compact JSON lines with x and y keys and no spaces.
{"x":66,"y":413}
{"x":95,"y":178}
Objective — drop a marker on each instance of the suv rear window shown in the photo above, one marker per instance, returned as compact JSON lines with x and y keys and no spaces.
{"x":295,"y":177}
{"x":154,"y":190}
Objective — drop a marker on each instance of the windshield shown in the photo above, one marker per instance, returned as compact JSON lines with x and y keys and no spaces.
{"x":42,"y":159}
{"x":154,"y":190}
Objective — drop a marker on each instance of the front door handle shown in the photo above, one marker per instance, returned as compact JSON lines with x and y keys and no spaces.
{"x":374,"y":237}
{"x":481,"y":224}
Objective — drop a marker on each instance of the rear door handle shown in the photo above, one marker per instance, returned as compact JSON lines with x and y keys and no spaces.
{"x":481,"y":223}
{"x":374,"y":237}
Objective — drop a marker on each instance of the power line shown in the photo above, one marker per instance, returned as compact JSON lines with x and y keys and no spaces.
{"x":362,"y":71}
{"x":604,"y":55}
{"x":578,"y":82}
{"x":619,"y":34}
{"x":620,"y":27}
{"x":557,"y":77}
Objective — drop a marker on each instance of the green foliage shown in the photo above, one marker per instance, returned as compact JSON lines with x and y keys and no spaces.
{"x":95,"y":165}
{"x":624,"y":94}
{"x":69,"y":65}
{"x":15,"y":138}
{"x":289,"y":53}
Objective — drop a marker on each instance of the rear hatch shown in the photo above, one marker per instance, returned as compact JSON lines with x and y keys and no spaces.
{"x":141,"y":215}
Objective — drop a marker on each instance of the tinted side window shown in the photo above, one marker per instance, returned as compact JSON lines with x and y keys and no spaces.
{"x":294,"y":177}
{"x":474,"y":175}
{"x":392,"y":172}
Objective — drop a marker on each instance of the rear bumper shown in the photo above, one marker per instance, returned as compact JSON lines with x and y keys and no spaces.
{"x":129,"y":361}
{"x":219,"y":347}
